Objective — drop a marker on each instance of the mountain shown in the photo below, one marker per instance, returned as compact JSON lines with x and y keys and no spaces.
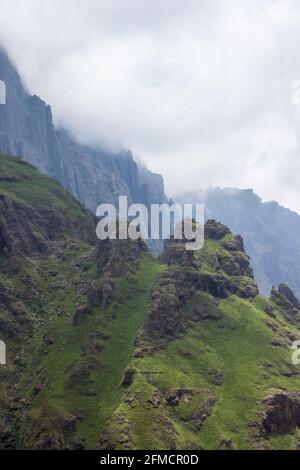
{"x":66,"y":349}
{"x":271,"y":232}
{"x":92,"y":175}
{"x":212,"y":366}
{"x":110,"y":348}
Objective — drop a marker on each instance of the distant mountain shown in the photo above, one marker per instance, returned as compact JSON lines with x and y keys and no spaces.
{"x":92,"y":175}
{"x":271,"y":233}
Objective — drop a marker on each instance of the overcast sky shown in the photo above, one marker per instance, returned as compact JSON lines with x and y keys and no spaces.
{"x":199,"y":90}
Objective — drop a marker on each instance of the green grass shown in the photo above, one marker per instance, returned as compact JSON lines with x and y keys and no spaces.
{"x":241,"y":350}
{"x":236,"y":347}
{"x":118,"y":348}
{"x":96,"y":397}
{"x":34,"y":188}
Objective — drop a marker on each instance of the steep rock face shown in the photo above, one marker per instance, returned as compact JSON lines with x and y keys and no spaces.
{"x":271,"y":233}
{"x":93,"y":176}
{"x":15,"y":218}
{"x":151,"y":186}
{"x":27,"y":230}
{"x":165,"y":317}
{"x":286,"y":299}
{"x":285,"y":291}
{"x":26,"y":127}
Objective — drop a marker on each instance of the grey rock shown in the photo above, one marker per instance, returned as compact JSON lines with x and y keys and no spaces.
{"x":91,"y":175}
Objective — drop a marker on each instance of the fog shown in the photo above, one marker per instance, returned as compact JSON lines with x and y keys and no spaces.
{"x":201,"y":91}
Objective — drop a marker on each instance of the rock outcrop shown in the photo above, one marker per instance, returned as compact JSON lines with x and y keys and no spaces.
{"x":286,"y":299}
{"x":119,"y":256}
{"x":286,"y":292}
{"x":282,"y":413}
{"x":28,"y":231}
{"x":187,"y":292}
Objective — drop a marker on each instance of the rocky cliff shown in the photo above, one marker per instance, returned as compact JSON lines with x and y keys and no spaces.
{"x":92,"y":175}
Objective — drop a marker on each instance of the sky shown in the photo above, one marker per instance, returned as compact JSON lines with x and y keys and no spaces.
{"x":205,"y":92}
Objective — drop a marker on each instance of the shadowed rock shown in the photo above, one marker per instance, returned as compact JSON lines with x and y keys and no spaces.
{"x":285,"y":299}
{"x":282,"y":413}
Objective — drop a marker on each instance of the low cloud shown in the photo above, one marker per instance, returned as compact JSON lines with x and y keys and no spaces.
{"x":200,"y":91}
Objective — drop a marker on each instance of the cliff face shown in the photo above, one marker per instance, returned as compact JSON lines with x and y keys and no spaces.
{"x":26,"y":127}
{"x":93,"y":176}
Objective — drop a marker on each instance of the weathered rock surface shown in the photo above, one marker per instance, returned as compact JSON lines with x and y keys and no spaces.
{"x":286,"y":292}
{"x":100,"y":292}
{"x":28,"y":231}
{"x":116,"y":257}
{"x":176,"y":296}
{"x":215,"y":231}
{"x":282,"y":413}
{"x":285,"y":298}
{"x":13,"y":314}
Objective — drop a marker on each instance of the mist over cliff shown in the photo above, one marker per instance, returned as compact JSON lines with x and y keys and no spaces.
{"x":95,"y":175}
{"x":92,"y":174}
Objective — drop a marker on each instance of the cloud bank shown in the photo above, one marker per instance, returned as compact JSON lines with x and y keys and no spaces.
{"x":199,"y":90}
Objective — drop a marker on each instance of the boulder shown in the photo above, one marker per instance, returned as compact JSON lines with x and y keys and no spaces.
{"x":80,"y":315}
{"x":282,"y":413}
{"x":215,"y":231}
{"x":285,"y":291}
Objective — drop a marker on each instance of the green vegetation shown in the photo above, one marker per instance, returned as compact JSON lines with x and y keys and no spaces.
{"x":94,"y":395}
{"x":223,"y":368}
{"x":250,"y":367}
{"x":19,"y":179}
{"x":108,"y":347}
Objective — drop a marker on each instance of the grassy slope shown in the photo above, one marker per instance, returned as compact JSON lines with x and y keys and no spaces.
{"x":34,"y":188}
{"x":238,"y":347}
{"x":97,"y":397}
{"x":52,"y":310}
